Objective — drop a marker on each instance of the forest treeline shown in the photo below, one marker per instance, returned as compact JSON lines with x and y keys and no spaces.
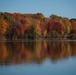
{"x":31,"y":26}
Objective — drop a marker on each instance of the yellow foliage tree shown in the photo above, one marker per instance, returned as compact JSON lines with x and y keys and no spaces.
{"x":3,"y":27}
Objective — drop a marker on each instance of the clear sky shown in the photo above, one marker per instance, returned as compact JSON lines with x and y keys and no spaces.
{"x":64,"y":8}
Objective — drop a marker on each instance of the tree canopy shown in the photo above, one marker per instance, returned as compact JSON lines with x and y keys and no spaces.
{"x":31,"y":26}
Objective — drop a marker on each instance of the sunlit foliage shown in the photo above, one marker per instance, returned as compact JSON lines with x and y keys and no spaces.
{"x":22,"y":26}
{"x":3,"y":26}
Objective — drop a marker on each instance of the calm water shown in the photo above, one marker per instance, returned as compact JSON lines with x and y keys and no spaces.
{"x":38,"y":58}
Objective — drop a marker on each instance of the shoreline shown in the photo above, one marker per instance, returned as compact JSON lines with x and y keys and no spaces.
{"x":35,"y":40}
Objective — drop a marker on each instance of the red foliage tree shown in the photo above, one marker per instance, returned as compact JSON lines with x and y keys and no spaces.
{"x":50,"y":26}
{"x":59,"y":28}
{"x":23,"y":26}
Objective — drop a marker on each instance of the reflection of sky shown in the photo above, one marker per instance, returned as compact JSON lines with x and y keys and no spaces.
{"x":60,"y":7}
{"x":63,"y":67}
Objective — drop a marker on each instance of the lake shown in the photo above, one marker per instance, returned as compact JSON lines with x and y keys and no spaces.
{"x":44,"y":57}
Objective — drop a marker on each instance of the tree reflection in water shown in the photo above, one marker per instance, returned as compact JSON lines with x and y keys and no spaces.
{"x":36,"y":52}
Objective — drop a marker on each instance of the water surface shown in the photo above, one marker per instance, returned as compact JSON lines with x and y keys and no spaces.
{"x":38,"y":57}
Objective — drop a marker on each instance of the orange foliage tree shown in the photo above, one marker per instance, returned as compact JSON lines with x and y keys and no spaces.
{"x":3,"y":27}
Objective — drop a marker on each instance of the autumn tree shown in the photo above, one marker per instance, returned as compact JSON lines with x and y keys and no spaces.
{"x":33,"y":29}
{"x":68,"y":27}
{"x":50,"y":28}
{"x":17,"y":25}
{"x":3,"y":27}
{"x":73,"y":23}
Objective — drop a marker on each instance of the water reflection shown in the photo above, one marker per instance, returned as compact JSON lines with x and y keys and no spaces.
{"x":35,"y":52}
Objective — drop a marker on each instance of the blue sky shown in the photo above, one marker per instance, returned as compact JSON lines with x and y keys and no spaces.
{"x":64,"y":8}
